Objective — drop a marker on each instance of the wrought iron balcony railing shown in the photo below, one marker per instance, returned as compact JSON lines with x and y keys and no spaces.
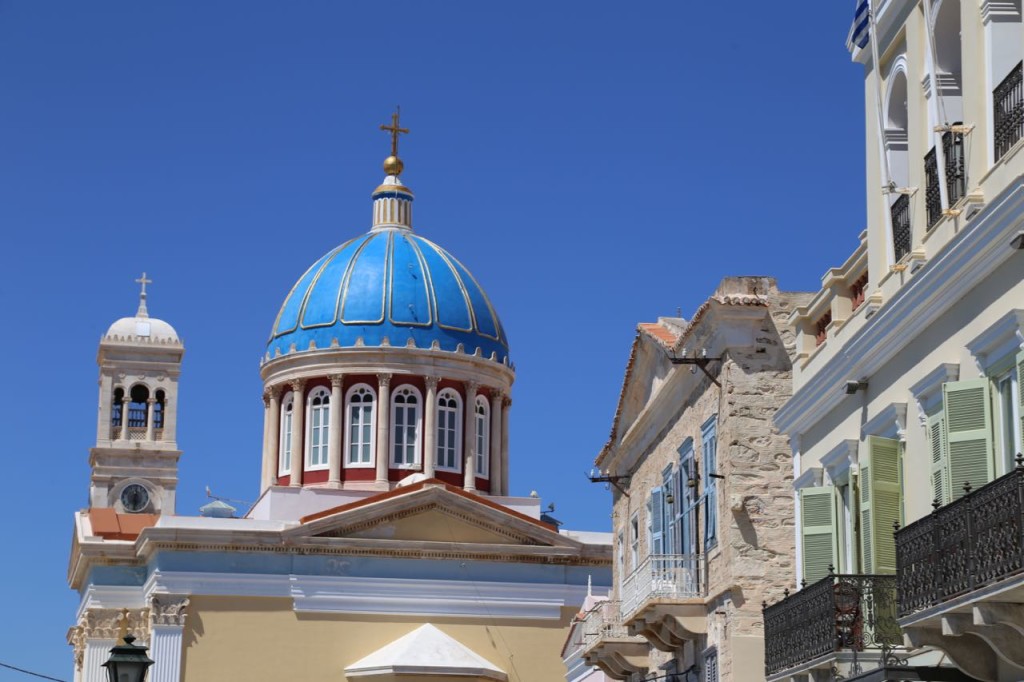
{"x":967,"y":544}
{"x":662,"y":576}
{"x":932,"y":193}
{"x":1008,"y":111}
{"x":956,"y":170}
{"x":603,"y":622}
{"x":900,"y":211}
{"x":856,"y":613}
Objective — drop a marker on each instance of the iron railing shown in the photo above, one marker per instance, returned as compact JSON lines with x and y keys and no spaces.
{"x":967,"y":544}
{"x":900,"y":211}
{"x":662,"y":576}
{"x":956,"y":170}
{"x":855,"y":613}
{"x":1008,"y":111}
{"x":932,"y":193}
{"x":604,"y":621}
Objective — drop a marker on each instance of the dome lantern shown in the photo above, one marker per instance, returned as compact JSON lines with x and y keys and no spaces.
{"x":392,"y":201}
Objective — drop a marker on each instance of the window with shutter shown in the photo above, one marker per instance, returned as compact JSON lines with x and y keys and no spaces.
{"x":711,"y":666}
{"x":817,"y":529}
{"x":940,"y":461}
{"x":709,"y":451}
{"x":670,"y":501}
{"x":968,"y":415}
{"x":655,"y":521}
{"x":685,"y":508}
{"x":881,"y":504}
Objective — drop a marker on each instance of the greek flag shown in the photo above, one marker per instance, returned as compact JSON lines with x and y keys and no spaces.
{"x":859,"y":33}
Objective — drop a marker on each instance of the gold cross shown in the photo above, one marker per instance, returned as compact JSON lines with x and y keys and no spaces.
{"x":143,"y":281}
{"x":394,"y":130}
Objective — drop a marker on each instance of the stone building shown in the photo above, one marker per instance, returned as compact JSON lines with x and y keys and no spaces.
{"x":907,"y":399}
{"x":700,"y":480}
{"x":384,"y":544}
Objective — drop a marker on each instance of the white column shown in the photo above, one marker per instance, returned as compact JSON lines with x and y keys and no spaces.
{"x":168,"y":615}
{"x":469,"y":438}
{"x":270,"y":453}
{"x":265,"y":459}
{"x":495,"y":442}
{"x":97,"y":651}
{"x":506,"y":406}
{"x":124,"y":416}
{"x":383,"y":428}
{"x":334,"y":433}
{"x":150,"y":404}
{"x":298,"y":432}
{"x":430,"y":428}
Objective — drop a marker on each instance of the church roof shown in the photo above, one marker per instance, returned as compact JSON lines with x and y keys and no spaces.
{"x":425,"y":651}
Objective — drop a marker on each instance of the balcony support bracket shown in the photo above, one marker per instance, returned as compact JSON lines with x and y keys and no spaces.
{"x":996,"y":613}
{"x":967,"y":653}
{"x":1004,"y":640}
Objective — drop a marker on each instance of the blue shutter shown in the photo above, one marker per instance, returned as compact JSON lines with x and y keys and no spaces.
{"x":669,"y":510}
{"x":709,"y":446}
{"x":657,"y":522}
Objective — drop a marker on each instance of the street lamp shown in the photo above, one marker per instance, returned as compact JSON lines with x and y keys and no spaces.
{"x":127,"y":662}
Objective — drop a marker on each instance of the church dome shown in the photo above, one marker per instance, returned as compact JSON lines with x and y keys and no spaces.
{"x":389,"y":284}
{"x":142,"y":329}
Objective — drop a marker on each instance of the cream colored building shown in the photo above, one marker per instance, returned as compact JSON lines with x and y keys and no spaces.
{"x":701,"y":485}
{"x":907,"y":385}
{"x":384,"y":544}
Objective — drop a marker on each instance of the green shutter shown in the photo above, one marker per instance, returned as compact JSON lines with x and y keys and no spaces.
{"x":881,"y":504}
{"x":818,"y":530}
{"x":1020,"y":394}
{"x":940,"y":460}
{"x":968,"y":413}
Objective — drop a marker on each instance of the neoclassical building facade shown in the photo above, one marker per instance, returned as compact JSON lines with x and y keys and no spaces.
{"x":383,"y":544}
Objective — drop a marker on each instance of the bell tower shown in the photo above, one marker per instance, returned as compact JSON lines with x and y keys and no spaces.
{"x":135,"y":460}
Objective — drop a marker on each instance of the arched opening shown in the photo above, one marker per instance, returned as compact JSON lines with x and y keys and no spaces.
{"x":116,"y":413}
{"x":449,"y":430}
{"x":948,"y":62}
{"x":319,"y":411}
{"x":405,"y":430}
{"x":483,"y":436}
{"x":138,"y":409}
{"x":361,"y":403}
{"x":159,"y":409}
{"x":897,"y":157}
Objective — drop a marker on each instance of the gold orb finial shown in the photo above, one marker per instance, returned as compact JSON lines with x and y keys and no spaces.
{"x":393,"y":165}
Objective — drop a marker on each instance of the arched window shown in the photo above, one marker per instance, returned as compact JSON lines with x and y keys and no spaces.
{"x":449,"y":430}
{"x":138,"y":407}
{"x":361,"y":402}
{"x":284,"y":459}
{"x":116,"y":408}
{"x":405,"y":429}
{"x":483,"y":435}
{"x":319,"y":411}
{"x":897,"y":157}
{"x":158,"y":410}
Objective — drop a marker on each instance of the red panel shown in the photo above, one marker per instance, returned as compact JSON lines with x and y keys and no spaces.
{"x":360,"y":474}
{"x":399,"y":474}
{"x":483,"y":484}
{"x":318,"y":476}
{"x":449,"y":477}
{"x":284,"y":480}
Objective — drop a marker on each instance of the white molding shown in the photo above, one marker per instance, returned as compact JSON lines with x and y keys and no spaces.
{"x":969,"y":257}
{"x":111,"y":597}
{"x":890,"y":422}
{"x":1002,"y":338}
{"x":810,"y":478}
{"x":927,"y":391}
{"x":383,"y":596}
{"x":840,"y":460}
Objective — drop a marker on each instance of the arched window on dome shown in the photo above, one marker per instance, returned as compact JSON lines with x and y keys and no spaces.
{"x":449,"y":431}
{"x":284,"y":458}
{"x":318,"y":409}
{"x":360,"y":407}
{"x":482,"y":414}
{"x":405,"y":427}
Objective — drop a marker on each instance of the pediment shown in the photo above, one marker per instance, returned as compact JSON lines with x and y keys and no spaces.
{"x":649,"y":368}
{"x":432,"y":512}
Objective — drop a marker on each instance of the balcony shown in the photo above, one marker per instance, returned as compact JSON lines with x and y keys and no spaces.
{"x":843,"y":623}
{"x":1008,"y":111}
{"x":608,"y":645}
{"x":900,"y":211}
{"x":961,"y":572}
{"x":932,"y":193}
{"x":663,"y":600}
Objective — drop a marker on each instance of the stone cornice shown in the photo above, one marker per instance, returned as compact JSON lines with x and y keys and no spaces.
{"x":967,"y":259}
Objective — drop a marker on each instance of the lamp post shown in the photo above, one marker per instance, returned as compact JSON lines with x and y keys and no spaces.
{"x":127,"y":662}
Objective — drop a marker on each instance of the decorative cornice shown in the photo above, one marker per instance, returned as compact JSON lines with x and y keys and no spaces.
{"x":891,"y":422}
{"x":840,"y":459}
{"x":1002,"y":338}
{"x":928,"y":390}
{"x":810,"y":478}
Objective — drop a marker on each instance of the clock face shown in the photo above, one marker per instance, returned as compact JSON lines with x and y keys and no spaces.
{"x":134,"y":498}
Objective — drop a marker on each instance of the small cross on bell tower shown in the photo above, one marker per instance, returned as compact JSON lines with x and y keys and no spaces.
{"x":142,"y":296}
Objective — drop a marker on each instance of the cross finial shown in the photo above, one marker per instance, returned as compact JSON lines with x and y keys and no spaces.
{"x":142,"y":296}
{"x":393,"y":165}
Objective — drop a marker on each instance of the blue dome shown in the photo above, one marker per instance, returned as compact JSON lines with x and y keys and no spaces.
{"x":389,"y":283}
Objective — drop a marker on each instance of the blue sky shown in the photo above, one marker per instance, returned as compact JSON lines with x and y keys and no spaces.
{"x":594,"y":164}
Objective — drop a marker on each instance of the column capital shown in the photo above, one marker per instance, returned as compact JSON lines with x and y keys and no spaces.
{"x":99,"y":623}
{"x":497,"y":395}
{"x":297,"y":385}
{"x":471,"y":387}
{"x":431,"y":382}
{"x":266,"y":398}
{"x":384,"y":379}
{"x":507,"y":401}
{"x":336,"y":380}
{"x":273,"y":391}
{"x":168,"y":610}
{"x":151,"y":401}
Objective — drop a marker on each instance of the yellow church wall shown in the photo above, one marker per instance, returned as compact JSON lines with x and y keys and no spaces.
{"x":259,"y":638}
